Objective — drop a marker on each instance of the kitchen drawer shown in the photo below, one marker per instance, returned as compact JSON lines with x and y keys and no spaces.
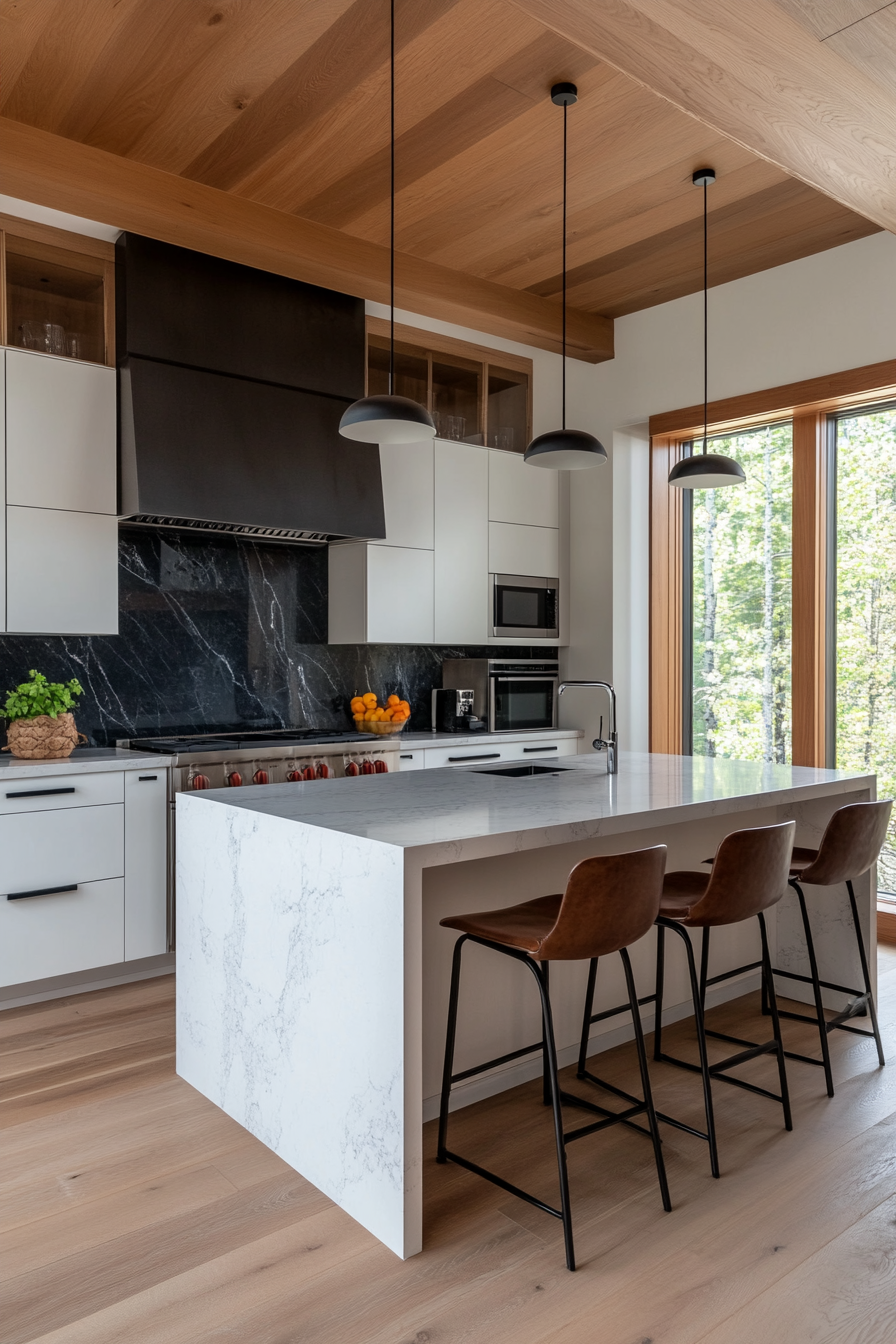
{"x":55,"y":935}
{"x":484,"y":754}
{"x":58,"y":792}
{"x":52,"y":849}
{"x":531,"y":751}
{"x":411,"y":760}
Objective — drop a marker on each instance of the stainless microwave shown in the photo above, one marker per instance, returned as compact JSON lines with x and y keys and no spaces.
{"x":512,"y":696}
{"x":524,"y":607}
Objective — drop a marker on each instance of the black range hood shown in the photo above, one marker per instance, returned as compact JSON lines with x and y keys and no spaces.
{"x":232,"y":384}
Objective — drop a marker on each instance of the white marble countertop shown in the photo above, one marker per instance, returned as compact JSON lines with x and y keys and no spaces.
{"x":83,"y":760}
{"x":432,"y":739}
{"x":464,"y":812}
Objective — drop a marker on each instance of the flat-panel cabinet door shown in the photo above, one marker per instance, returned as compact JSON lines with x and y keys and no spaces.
{"x":408,"y":494}
{"x":42,"y":936}
{"x":61,"y":572}
{"x":521,"y":494}
{"x":399,"y":595}
{"x":513,"y":549}
{"x":60,"y":434}
{"x":145,"y":863}
{"x":461,"y":544}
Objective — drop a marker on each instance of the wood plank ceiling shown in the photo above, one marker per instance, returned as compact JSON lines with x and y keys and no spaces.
{"x":285,"y":103}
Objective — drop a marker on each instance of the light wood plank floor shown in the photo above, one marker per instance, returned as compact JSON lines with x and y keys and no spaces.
{"x":132,"y":1210}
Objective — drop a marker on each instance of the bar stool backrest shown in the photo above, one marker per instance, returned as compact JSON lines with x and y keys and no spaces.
{"x":852,"y":841}
{"x":610,"y":902}
{"x":749,"y":873}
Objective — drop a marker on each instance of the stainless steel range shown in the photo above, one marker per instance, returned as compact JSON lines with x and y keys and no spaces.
{"x":240,"y":759}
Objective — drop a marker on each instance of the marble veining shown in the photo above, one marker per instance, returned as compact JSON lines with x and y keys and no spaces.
{"x":222,"y":632}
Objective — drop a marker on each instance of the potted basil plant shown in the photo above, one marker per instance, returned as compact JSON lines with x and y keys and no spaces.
{"x":41,"y":724}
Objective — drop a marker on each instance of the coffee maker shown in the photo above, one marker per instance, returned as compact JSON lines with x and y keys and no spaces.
{"x":452,"y":712}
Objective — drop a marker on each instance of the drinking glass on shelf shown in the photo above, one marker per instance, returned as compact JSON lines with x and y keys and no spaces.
{"x":503,"y":438}
{"x":455,"y":427}
{"x":48,"y":337}
{"x":77,"y":345}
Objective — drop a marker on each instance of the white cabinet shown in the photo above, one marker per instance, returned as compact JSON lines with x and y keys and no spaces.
{"x":461,"y":544}
{"x":59,"y":534}
{"x":515,"y":549}
{"x":145,"y":863}
{"x":380,"y":595}
{"x":2,"y":497}
{"x":521,"y":494}
{"x":408,"y":494}
{"x":61,"y":572}
{"x":415,"y":759}
{"x":60,"y":434}
{"x":84,"y":871}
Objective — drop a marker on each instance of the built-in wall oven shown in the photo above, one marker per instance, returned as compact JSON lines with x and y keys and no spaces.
{"x":524,"y":607}
{"x":512,"y":696}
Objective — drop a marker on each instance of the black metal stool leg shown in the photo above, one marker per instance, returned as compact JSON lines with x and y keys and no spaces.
{"x":776,"y":1023}
{"x":450,"y":1036}
{"x":869,"y":996}
{"x":816,"y":989}
{"x":550,"y":1056}
{"x":660,"y":977}
{"x":586,"y":1019}
{"x":645,"y":1079}
{"x":545,"y":1066}
{"x":704,"y":966}
{"x":701,"y":1046}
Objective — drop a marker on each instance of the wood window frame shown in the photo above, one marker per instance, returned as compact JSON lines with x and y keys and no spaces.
{"x":432,"y":343}
{"x":808,"y":404}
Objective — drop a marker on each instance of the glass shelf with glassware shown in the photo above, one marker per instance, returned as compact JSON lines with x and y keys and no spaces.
{"x":56,"y":298}
{"x":474,"y":394}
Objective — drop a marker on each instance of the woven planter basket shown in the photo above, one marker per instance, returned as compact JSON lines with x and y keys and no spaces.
{"x":43,"y":738}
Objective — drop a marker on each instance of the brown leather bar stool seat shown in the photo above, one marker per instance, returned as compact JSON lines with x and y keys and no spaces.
{"x":851,"y":843}
{"x":749,"y":875}
{"x":609,"y":903}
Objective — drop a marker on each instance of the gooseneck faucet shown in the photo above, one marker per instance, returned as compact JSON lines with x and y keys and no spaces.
{"x":600,"y":743}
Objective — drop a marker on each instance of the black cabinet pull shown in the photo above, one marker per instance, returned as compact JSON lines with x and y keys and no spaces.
{"x":408,"y":757}
{"x":487,"y":756}
{"x":526,"y":749}
{"x":40,"y":891}
{"x":142,"y":777}
{"x":39,"y":793}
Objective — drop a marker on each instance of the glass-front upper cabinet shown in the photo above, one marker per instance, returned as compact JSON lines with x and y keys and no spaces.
{"x":472,"y":397}
{"x":56,"y":299}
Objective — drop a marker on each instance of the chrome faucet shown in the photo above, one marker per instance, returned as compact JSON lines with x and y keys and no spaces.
{"x":600,"y":743}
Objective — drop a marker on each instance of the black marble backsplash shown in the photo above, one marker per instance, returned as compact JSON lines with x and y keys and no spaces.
{"x":215,"y":633}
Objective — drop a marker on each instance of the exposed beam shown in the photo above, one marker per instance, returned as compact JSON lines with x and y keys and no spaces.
{"x":49,"y":170}
{"x":753,"y":73}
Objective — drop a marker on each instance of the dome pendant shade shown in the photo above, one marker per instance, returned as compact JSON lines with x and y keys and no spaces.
{"x":387,"y":419}
{"x":706,"y":471}
{"x":565,"y":450}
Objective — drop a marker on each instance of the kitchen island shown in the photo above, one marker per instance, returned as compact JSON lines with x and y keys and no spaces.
{"x":313,"y":974}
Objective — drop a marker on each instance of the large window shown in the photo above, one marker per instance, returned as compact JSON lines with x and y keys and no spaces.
{"x":737,"y":648}
{"x":865,"y":605}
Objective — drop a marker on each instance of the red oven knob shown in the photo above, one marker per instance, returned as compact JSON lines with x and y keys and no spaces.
{"x":323,"y":770}
{"x":381,"y":767}
{"x":367,"y":768}
{"x":294,"y":776}
{"x":308,"y":772}
{"x":353,"y":768}
{"x":261,"y":777}
{"x":235,"y":779}
{"x":200,"y":782}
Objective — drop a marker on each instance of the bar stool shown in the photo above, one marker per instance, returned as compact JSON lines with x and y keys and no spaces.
{"x":851,"y":843}
{"x":609,"y":903}
{"x":749,"y":875}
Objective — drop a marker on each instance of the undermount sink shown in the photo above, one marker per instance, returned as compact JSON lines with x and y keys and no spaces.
{"x":521,"y":771}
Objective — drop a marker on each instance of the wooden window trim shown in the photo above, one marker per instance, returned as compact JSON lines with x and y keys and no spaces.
{"x":808,"y":404}
{"x":434,"y":343}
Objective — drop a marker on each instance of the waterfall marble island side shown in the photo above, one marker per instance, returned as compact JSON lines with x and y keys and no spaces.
{"x":313,"y":974}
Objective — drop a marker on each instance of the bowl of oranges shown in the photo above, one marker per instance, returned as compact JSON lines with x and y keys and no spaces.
{"x":372,"y":717}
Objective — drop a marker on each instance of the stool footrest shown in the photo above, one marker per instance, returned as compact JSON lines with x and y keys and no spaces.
{"x":738,"y":970}
{"x":623,"y":1008}
{"x":493,"y":1063}
{"x":716,"y":1071}
{"x":622,"y":1117}
{"x":499,"y":1181}
{"x":825,"y":984}
{"x":680,"y":1124}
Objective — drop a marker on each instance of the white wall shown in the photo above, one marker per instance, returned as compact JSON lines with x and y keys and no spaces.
{"x":826,"y":313}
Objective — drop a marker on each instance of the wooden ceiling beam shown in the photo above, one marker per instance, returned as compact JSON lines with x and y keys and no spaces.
{"x":49,"y":170}
{"x":754,"y":74}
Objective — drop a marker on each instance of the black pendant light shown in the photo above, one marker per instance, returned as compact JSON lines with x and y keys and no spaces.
{"x":389,"y":419}
{"x":565,"y":449}
{"x":706,"y":471}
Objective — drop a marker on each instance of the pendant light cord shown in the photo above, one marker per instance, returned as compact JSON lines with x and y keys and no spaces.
{"x":705,"y":323}
{"x":392,"y":198}
{"x":563,"y":335}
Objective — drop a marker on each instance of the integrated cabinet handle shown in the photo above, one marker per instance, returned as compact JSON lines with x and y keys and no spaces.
{"x":488,"y":756}
{"x":40,"y":891}
{"x":408,"y":757}
{"x":142,"y":777}
{"x":39,"y":793}
{"x":527,"y":749}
